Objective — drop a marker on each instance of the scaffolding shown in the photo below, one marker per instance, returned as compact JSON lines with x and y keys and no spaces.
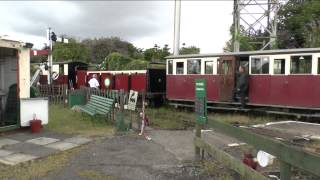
{"x":258,"y":19}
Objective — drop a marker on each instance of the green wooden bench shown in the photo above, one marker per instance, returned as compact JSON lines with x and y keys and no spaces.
{"x":99,"y":105}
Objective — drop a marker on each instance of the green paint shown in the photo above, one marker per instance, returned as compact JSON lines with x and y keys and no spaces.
{"x":289,"y":154}
{"x":235,"y":164}
{"x":201,"y":101}
{"x":285,"y":171}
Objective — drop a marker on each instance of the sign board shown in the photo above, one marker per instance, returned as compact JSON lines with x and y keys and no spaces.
{"x":132,"y":102}
{"x":201,"y":101}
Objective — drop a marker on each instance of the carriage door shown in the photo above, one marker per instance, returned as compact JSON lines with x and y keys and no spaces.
{"x":227,"y":77}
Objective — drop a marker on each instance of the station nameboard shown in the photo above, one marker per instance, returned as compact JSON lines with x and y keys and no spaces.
{"x":201,"y":101}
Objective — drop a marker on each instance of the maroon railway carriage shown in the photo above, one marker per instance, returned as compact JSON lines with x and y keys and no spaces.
{"x":151,"y":81}
{"x":284,"y":78}
{"x":66,"y":72}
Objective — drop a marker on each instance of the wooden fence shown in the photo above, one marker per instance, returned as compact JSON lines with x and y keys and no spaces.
{"x":57,"y":94}
{"x":288,"y":155}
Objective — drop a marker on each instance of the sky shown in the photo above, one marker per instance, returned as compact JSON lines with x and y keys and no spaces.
{"x":204,"y":24}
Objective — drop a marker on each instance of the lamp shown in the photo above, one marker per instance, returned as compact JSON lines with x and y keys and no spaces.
{"x":301,"y":58}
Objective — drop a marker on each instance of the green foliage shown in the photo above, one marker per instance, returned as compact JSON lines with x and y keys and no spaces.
{"x":116,"y":61}
{"x":73,"y":51}
{"x":189,"y":50}
{"x":156,"y":53}
{"x":299,"y":24}
{"x":137,"y":64}
{"x":101,"y":48}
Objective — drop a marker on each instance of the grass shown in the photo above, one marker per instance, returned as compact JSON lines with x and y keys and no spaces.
{"x":64,"y":120}
{"x":178,"y":119}
{"x":38,"y":168}
{"x":95,"y":175}
{"x":169,"y":118}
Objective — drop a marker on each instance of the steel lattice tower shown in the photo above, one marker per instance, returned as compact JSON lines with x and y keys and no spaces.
{"x":258,"y":19}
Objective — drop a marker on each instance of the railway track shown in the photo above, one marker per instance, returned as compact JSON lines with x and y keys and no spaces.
{"x":295,"y":113}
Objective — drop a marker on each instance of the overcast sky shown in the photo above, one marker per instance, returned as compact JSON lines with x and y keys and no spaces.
{"x":204,"y":24}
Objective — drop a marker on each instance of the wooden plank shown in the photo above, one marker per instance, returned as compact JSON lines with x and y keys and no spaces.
{"x":285,"y":171}
{"x":292,"y":155}
{"x":229,"y":161}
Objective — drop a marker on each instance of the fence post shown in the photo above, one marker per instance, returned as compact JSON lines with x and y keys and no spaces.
{"x":198,"y":134}
{"x":120,"y":118}
{"x":285,"y":171}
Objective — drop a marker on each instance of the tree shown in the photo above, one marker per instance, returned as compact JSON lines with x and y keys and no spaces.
{"x":73,"y":51}
{"x":116,"y":61}
{"x":189,"y":50}
{"x":156,"y":53}
{"x":100,"y":48}
{"x":299,"y":24}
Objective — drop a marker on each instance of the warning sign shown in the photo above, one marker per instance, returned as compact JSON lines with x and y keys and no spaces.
{"x":132,"y":102}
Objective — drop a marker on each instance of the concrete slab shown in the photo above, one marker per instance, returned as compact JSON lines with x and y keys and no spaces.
{"x":6,"y":142}
{"x":62,"y":146}
{"x":14,"y":159}
{"x":22,"y":136}
{"x":42,"y":140}
{"x":31,"y":149}
{"x":4,"y":153}
{"x":78,"y":140}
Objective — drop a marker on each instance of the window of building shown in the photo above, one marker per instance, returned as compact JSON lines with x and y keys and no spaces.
{"x":301,"y":65}
{"x":279,"y":66}
{"x":170,"y":67}
{"x":194,"y":66}
{"x":260,"y":65}
{"x":208,"y":67}
{"x":179,"y":68}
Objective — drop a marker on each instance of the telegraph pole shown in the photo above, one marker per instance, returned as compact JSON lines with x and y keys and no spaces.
{"x":49,"y":56}
{"x":177,"y":15}
{"x":236,"y":26}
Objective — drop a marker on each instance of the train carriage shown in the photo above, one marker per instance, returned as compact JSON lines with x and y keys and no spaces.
{"x":151,"y":81}
{"x":283,"y":78}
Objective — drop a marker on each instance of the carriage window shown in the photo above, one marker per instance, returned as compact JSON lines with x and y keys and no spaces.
{"x":279,"y":66}
{"x":301,"y":64}
{"x":170,"y":67}
{"x":61,"y":69}
{"x":208,"y":67}
{"x":194,"y":66}
{"x":260,"y":65}
{"x":179,"y":68}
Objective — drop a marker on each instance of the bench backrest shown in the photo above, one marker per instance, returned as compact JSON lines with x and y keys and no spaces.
{"x":101,"y":104}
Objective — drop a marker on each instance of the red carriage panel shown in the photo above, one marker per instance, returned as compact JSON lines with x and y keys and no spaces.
{"x":122,"y":82}
{"x":62,"y":79}
{"x":278,"y":90}
{"x":43,"y":79}
{"x":300,"y":90}
{"x":103,"y":77}
{"x":138,"y":82}
{"x":81,"y":78}
{"x":182,"y":86}
{"x":259,"y":89}
{"x":316,"y":91}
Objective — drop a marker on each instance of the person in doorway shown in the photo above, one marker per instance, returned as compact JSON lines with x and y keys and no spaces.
{"x":93,"y":82}
{"x":242,"y":85}
{"x":144,"y":123}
